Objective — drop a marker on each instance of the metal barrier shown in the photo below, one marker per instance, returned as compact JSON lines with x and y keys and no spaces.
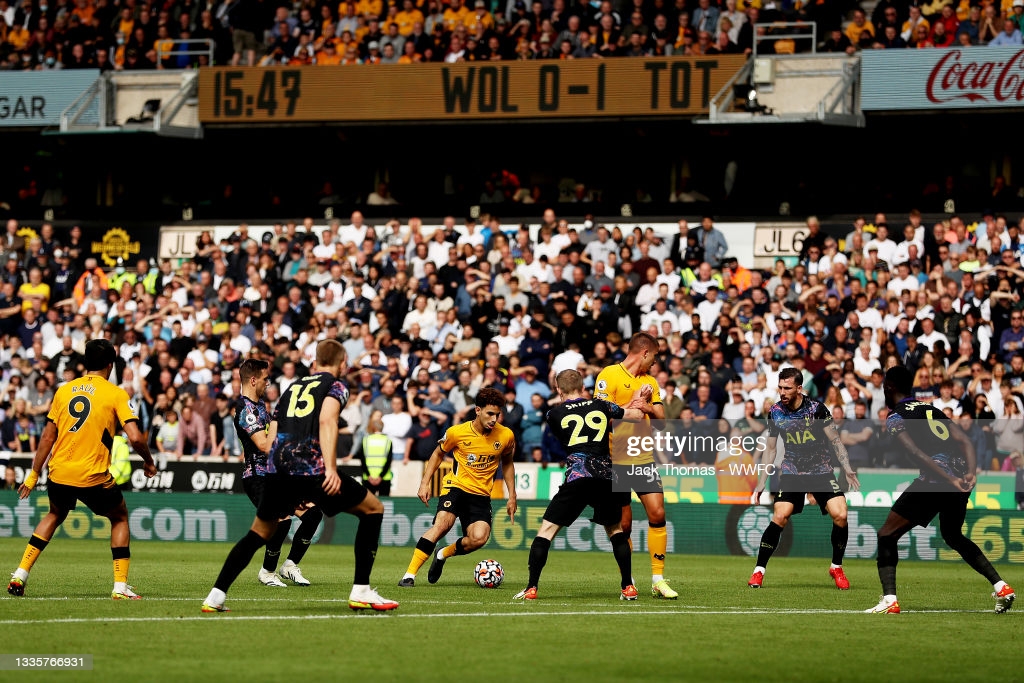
{"x":812,"y":36}
{"x":185,"y":48}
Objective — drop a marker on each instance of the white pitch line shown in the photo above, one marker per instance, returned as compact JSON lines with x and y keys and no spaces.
{"x":464,"y":615}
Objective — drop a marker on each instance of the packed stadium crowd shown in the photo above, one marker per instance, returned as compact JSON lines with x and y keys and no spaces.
{"x":430,"y":316}
{"x":129,"y":35}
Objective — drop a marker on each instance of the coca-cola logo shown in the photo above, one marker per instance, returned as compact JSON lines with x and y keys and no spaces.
{"x":993,"y":82}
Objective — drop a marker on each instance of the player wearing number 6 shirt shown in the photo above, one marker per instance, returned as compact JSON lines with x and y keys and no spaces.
{"x":478,"y":448}
{"x":948,"y":461}
{"x":583,"y":427}
{"x":302,"y":468}
{"x":86,"y":415}
{"x":809,"y":438}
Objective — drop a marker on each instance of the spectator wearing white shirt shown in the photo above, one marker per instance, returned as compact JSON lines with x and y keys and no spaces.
{"x":709,"y":309}
{"x":863,"y":363}
{"x":660,"y":315}
{"x":946,"y":400}
{"x":903,"y":280}
{"x":885,"y":247}
{"x":471,"y":236}
{"x":929,"y":335}
{"x":354,"y":233}
{"x":869,"y":317}
{"x":902,"y":253}
{"x":670,"y":277}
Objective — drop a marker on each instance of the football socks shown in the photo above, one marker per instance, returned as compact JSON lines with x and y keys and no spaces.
{"x":423,"y":549}
{"x":657,"y":545}
{"x":367,"y":538}
{"x":238,"y":559}
{"x":35,"y":547}
{"x":274,"y":546}
{"x":769,"y":542}
{"x":623,"y":555}
{"x":538,"y":558}
{"x":304,"y":534}
{"x":840,"y":535}
{"x":122,"y":558}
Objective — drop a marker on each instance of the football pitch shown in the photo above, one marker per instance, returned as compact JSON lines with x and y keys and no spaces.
{"x":797,"y":628}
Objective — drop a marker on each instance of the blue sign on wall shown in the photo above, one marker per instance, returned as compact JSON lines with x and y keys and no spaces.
{"x":37,"y":98}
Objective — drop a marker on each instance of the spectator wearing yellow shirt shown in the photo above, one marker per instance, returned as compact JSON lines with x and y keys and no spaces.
{"x":84,"y":10}
{"x":18,"y":37}
{"x":909,"y":32}
{"x":329,"y":56}
{"x":454,"y":16}
{"x":410,"y":56}
{"x":478,"y":17}
{"x":35,"y":293}
{"x":125,"y":23}
{"x":406,"y":19}
{"x":370,"y":8}
{"x":859,"y":26}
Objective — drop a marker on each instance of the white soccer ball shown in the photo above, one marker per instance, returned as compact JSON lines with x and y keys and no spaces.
{"x":488,"y":574}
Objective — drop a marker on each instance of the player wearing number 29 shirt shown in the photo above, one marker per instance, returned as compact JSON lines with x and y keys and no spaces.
{"x":947,"y":460}
{"x":582,"y":427}
{"x":85,"y":416}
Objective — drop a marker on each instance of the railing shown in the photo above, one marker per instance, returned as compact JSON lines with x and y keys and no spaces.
{"x":724,"y":98}
{"x":812,"y":36}
{"x":183,"y":48}
{"x":163,"y":120}
{"x":82,"y":106}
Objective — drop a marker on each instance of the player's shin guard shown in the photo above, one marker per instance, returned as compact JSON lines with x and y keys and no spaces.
{"x":769,"y":542}
{"x":273,"y":551}
{"x":623,"y":558}
{"x":424,"y":548}
{"x":367,"y":538}
{"x":969,"y":550}
{"x":122,"y":558}
{"x":888,"y":556}
{"x":840,"y":536}
{"x":304,"y":534}
{"x":36,"y":545}
{"x":538,"y":558}
{"x":238,"y":559}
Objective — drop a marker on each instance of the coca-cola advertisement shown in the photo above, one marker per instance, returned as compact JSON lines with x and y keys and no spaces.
{"x":942,"y":78}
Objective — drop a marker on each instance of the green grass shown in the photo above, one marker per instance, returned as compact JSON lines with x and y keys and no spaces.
{"x":797,"y":628}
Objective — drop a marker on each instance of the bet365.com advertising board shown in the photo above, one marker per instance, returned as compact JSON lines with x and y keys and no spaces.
{"x":692,"y":529}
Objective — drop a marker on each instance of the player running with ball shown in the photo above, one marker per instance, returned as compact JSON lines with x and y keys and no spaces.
{"x":478,"y":447}
{"x":810,"y":438}
{"x":948,"y":461}
{"x":583,"y":427}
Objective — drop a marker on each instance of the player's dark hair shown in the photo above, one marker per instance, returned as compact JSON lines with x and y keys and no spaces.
{"x":900,"y":379}
{"x":99,"y":353}
{"x":251,"y":367}
{"x":490,"y":397}
{"x":641,"y":341}
{"x":793,"y":374}
{"x":569,"y":382}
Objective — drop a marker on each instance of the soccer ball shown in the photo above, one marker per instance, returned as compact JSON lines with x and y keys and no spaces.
{"x":488,"y":574}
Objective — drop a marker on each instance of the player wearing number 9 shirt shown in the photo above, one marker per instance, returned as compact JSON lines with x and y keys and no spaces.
{"x":583,"y":427}
{"x":947,"y":460}
{"x":85,"y":416}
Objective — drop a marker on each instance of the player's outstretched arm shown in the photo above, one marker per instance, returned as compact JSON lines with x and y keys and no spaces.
{"x":46,"y":441}
{"x":764,"y":456}
{"x":832,"y":434}
{"x":508,"y":471}
{"x":428,"y":473}
{"x":138,"y":441}
{"x":329,"y":413}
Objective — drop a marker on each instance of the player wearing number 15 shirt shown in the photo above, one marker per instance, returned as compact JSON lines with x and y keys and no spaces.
{"x":478,"y":448}
{"x":582,"y":427}
{"x":302,"y":468}
{"x":85,"y":416}
{"x":947,"y":460}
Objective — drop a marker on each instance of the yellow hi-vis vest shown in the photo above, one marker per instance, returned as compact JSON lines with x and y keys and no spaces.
{"x":375,"y":454}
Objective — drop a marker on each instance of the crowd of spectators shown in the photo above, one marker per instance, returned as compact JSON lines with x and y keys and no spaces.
{"x":131,"y":35}
{"x":429,"y":316}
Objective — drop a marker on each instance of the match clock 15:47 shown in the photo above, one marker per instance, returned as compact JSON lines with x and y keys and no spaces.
{"x":262,"y":93}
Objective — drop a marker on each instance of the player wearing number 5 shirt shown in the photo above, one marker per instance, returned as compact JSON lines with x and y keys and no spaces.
{"x":86,"y":415}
